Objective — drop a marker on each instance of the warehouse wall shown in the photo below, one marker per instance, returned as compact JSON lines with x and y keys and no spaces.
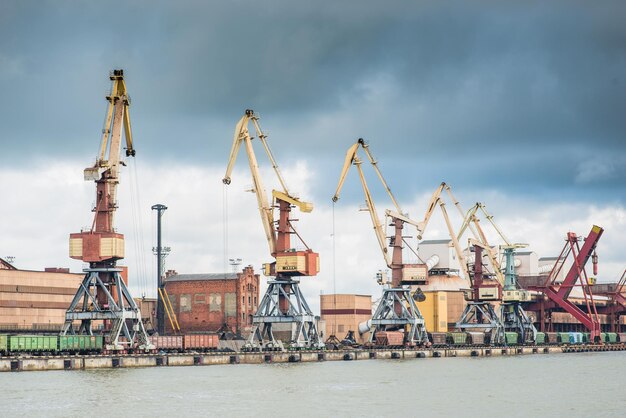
{"x":35,"y":299}
{"x":343,"y":313}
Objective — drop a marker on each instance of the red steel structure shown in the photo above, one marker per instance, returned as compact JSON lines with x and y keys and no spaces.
{"x":558,"y":292}
{"x":617,"y":307}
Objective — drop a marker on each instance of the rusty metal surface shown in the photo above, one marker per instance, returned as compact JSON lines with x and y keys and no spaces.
{"x":437,"y":338}
{"x":390,"y":338}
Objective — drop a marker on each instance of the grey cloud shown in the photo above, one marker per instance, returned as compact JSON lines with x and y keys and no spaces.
{"x":498,"y":94}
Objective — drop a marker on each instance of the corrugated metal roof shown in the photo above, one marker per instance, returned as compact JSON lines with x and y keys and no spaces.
{"x":201,"y":276}
{"x":524,"y":252}
{"x":548,"y":258}
{"x":436,"y":241}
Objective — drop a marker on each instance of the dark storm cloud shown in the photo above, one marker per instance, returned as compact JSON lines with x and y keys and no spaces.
{"x":493,"y":94}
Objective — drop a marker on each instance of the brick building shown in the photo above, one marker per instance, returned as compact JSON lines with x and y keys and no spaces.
{"x":205,"y":302}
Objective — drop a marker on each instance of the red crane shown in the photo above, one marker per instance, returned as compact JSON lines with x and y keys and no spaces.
{"x":559,"y":292}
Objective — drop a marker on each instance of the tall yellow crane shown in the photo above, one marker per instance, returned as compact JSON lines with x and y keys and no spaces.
{"x":103,"y":294}
{"x":283,"y":301}
{"x":397,"y":309}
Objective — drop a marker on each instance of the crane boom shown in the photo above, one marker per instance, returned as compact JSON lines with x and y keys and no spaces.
{"x":277,"y":238}
{"x":101,"y":242}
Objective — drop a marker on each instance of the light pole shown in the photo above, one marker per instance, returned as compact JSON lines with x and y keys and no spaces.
{"x":159,"y":253}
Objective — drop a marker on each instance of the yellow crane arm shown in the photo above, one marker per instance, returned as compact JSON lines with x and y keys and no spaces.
{"x":434,"y":200}
{"x":374,"y":163}
{"x":117,"y":117}
{"x":378,"y":227}
{"x":265,"y":209}
{"x":350,"y":156}
{"x":455,"y":241}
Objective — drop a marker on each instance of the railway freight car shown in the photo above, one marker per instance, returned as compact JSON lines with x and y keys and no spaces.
{"x":38,"y":344}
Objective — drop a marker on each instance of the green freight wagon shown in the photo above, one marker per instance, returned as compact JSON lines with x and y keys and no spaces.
{"x":611,"y":337}
{"x":4,"y":344}
{"x":541,"y":338}
{"x":33,"y":343}
{"x":564,"y":338}
{"x":511,"y":338}
{"x":80,"y":343}
{"x":457,"y":338}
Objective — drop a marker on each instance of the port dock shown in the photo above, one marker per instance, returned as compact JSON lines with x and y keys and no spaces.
{"x":89,"y":362}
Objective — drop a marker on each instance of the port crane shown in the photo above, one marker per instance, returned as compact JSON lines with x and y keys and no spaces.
{"x":397,"y":309}
{"x":558,"y":292}
{"x":283,"y":302}
{"x":479,"y":309}
{"x":103,"y":294}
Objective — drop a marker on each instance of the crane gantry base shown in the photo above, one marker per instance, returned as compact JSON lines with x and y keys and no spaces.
{"x":103,"y":296}
{"x":397,"y":311}
{"x":482,"y":316}
{"x":514,"y":318}
{"x":283,"y":303}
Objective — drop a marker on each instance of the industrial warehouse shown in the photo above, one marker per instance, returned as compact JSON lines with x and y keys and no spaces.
{"x":458,"y":295}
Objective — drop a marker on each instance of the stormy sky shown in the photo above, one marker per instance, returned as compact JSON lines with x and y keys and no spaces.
{"x":520,"y":103}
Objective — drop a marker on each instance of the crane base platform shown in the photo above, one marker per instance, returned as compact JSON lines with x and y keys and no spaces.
{"x":283,"y":308}
{"x":397,"y":311}
{"x":514,"y":318}
{"x":482,"y":316}
{"x":103,"y":296}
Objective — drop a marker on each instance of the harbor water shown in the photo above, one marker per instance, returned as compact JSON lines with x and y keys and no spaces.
{"x":573,"y":385}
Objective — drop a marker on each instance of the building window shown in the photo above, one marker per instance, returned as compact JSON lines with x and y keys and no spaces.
{"x":172,"y":299}
{"x":199,"y":298}
{"x":185,"y":303}
{"x":243,"y":300}
{"x":230,"y":305}
{"x":255,"y":301}
{"x":243,"y":316}
{"x":249,"y":299}
{"x":215,"y":302}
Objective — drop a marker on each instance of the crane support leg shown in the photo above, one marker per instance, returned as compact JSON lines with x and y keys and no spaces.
{"x":482,"y":316}
{"x":397,"y":311}
{"x":103,"y":296}
{"x":284,"y":304}
{"x":515,"y":319}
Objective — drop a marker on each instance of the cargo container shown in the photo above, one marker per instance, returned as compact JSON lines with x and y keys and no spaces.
{"x":80,"y":343}
{"x":511,"y":338}
{"x":201,"y":342}
{"x":33,"y":343}
{"x":540,"y":338}
{"x":477,"y":338}
{"x":563,"y":337}
{"x":169,"y":343}
{"x":4,"y":344}
{"x":390,"y":338}
{"x":552,"y":337}
{"x":438,"y":339}
{"x":458,"y":338}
